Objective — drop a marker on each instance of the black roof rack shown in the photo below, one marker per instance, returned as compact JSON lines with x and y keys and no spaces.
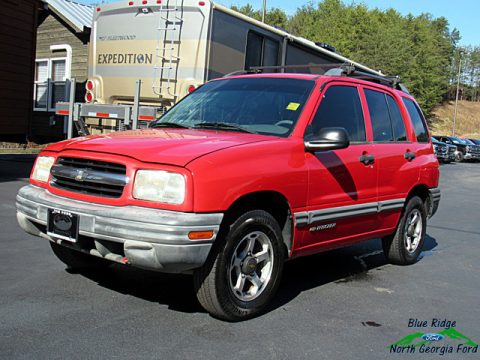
{"x":344,"y":69}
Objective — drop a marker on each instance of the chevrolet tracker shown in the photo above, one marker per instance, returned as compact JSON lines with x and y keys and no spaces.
{"x":244,"y":173}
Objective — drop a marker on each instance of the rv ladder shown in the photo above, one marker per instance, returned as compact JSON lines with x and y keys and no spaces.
{"x":167,"y":49}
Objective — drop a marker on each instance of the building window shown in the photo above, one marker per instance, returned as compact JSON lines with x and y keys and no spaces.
{"x":50,"y":83}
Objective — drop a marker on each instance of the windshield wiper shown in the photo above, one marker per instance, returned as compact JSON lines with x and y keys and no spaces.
{"x":223,"y":126}
{"x":169,"y":125}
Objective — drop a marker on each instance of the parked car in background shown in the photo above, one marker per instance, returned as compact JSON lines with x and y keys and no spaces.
{"x":474,"y":146}
{"x":475,"y":141}
{"x":444,"y":152}
{"x":465,"y":151}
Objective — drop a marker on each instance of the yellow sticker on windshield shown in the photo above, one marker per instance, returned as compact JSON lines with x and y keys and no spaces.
{"x":293,"y":106}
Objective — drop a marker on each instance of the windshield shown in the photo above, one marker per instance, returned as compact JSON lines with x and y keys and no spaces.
{"x":269,"y":106}
{"x":457,"y":141}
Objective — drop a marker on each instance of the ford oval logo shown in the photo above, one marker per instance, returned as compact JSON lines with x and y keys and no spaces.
{"x":432,"y":337}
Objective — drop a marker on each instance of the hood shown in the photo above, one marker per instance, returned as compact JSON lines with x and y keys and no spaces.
{"x":164,"y":146}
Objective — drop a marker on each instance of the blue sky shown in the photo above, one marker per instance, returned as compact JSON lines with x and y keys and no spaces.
{"x":461,"y":14}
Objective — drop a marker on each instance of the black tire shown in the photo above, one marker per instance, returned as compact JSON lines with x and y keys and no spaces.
{"x":459,"y":156}
{"x":398,"y":248}
{"x":77,"y":260}
{"x":224,"y":288}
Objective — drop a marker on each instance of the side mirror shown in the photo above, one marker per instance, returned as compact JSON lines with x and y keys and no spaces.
{"x":331,"y":138}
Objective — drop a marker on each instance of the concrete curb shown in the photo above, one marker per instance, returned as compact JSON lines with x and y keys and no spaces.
{"x":20,"y":151}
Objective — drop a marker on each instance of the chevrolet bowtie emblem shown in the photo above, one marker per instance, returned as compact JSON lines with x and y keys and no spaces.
{"x":81,"y":175}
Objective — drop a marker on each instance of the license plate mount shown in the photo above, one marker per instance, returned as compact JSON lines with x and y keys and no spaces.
{"x":63,"y":225}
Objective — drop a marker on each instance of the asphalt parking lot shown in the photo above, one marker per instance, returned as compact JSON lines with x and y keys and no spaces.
{"x":344,"y":304}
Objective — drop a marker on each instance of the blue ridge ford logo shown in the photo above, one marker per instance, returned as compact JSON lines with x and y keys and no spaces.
{"x":432,"y":337}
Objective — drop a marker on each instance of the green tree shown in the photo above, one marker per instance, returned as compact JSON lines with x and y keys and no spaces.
{"x":417,"y":48}
{"x":273,"y":16}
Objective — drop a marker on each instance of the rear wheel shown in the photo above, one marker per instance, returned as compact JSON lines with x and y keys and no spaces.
{"x":405,"y":245}
{"x":241,"y":277}
{"x":77,"y":260}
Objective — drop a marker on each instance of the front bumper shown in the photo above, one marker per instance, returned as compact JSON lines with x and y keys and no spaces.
{"x":148,"y":238}
{"x":472,"y":156}
{"x":442,"y":156}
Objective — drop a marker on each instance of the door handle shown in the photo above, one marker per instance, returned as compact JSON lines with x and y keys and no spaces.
{"x":367,"y":159}
{"x":409,"y":155}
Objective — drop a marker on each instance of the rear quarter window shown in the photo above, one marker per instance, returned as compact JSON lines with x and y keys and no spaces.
{"x":418,"y":120}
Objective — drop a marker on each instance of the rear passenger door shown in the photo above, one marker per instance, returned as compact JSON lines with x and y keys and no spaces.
{"x":395,"y":154}
{"x":342,"y":191}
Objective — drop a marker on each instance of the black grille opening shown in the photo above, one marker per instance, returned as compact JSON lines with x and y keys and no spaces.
{"x":67,"y":180}
{"x":93,"y":164}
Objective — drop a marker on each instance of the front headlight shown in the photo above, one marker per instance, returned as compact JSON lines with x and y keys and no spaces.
{"x":468,"y":148}
{"x":41,"y":171}
{"x":158,"y":185}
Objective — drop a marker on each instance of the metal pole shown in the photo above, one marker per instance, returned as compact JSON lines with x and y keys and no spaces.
{"x":264,"y":10}
{"x":456,"y":96}
{"x":136,"y":103}
{"x":70,"y":109}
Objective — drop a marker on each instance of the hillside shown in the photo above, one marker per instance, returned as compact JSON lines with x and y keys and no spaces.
{"x":468,"y":119}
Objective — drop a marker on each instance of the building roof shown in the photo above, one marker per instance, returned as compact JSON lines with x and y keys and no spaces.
{"x":79,"y":16}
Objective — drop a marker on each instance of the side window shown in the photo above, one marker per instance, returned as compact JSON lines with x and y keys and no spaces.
{"x":417,"y":120}
{"x":261,"y":51}
{"x":340,"y":107}
{"x":399,"y":132}
{"x":379,"y":115}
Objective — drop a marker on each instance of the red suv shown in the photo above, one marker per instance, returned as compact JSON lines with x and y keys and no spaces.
{"x":244,"y":173}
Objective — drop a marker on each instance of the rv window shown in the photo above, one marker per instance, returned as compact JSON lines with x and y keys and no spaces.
{"x":253,"y":57}
{"x":270,"y":53}
{"x":261,"y":51}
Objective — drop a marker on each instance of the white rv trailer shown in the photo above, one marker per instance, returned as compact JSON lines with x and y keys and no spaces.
{"x":145,"y":55}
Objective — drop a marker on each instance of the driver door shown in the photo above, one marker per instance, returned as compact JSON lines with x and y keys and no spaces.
{"x":342,"y":184}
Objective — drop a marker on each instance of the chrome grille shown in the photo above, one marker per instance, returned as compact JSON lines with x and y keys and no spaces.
{"x":475,"y":149}
{"x":92,"y":177}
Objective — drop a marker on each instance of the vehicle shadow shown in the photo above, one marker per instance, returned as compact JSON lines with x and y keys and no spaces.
{"x":350,"y":264}
{"x":15,"y":167}
{"x":176,"y":291}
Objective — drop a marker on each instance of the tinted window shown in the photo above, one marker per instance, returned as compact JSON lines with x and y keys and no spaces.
{"x":399,"y":132}
{"x":261,"y":51}
{"x":457,"y":141}
{"x":268,"y":106}
{"x":417,"y":120}
{"x":340,"y":107}
{"x":379,"y":115}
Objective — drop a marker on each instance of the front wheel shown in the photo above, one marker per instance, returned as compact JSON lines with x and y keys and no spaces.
{"x":405,"y":245}
{"x":459,"y":156}
{"x":241,"y":277}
